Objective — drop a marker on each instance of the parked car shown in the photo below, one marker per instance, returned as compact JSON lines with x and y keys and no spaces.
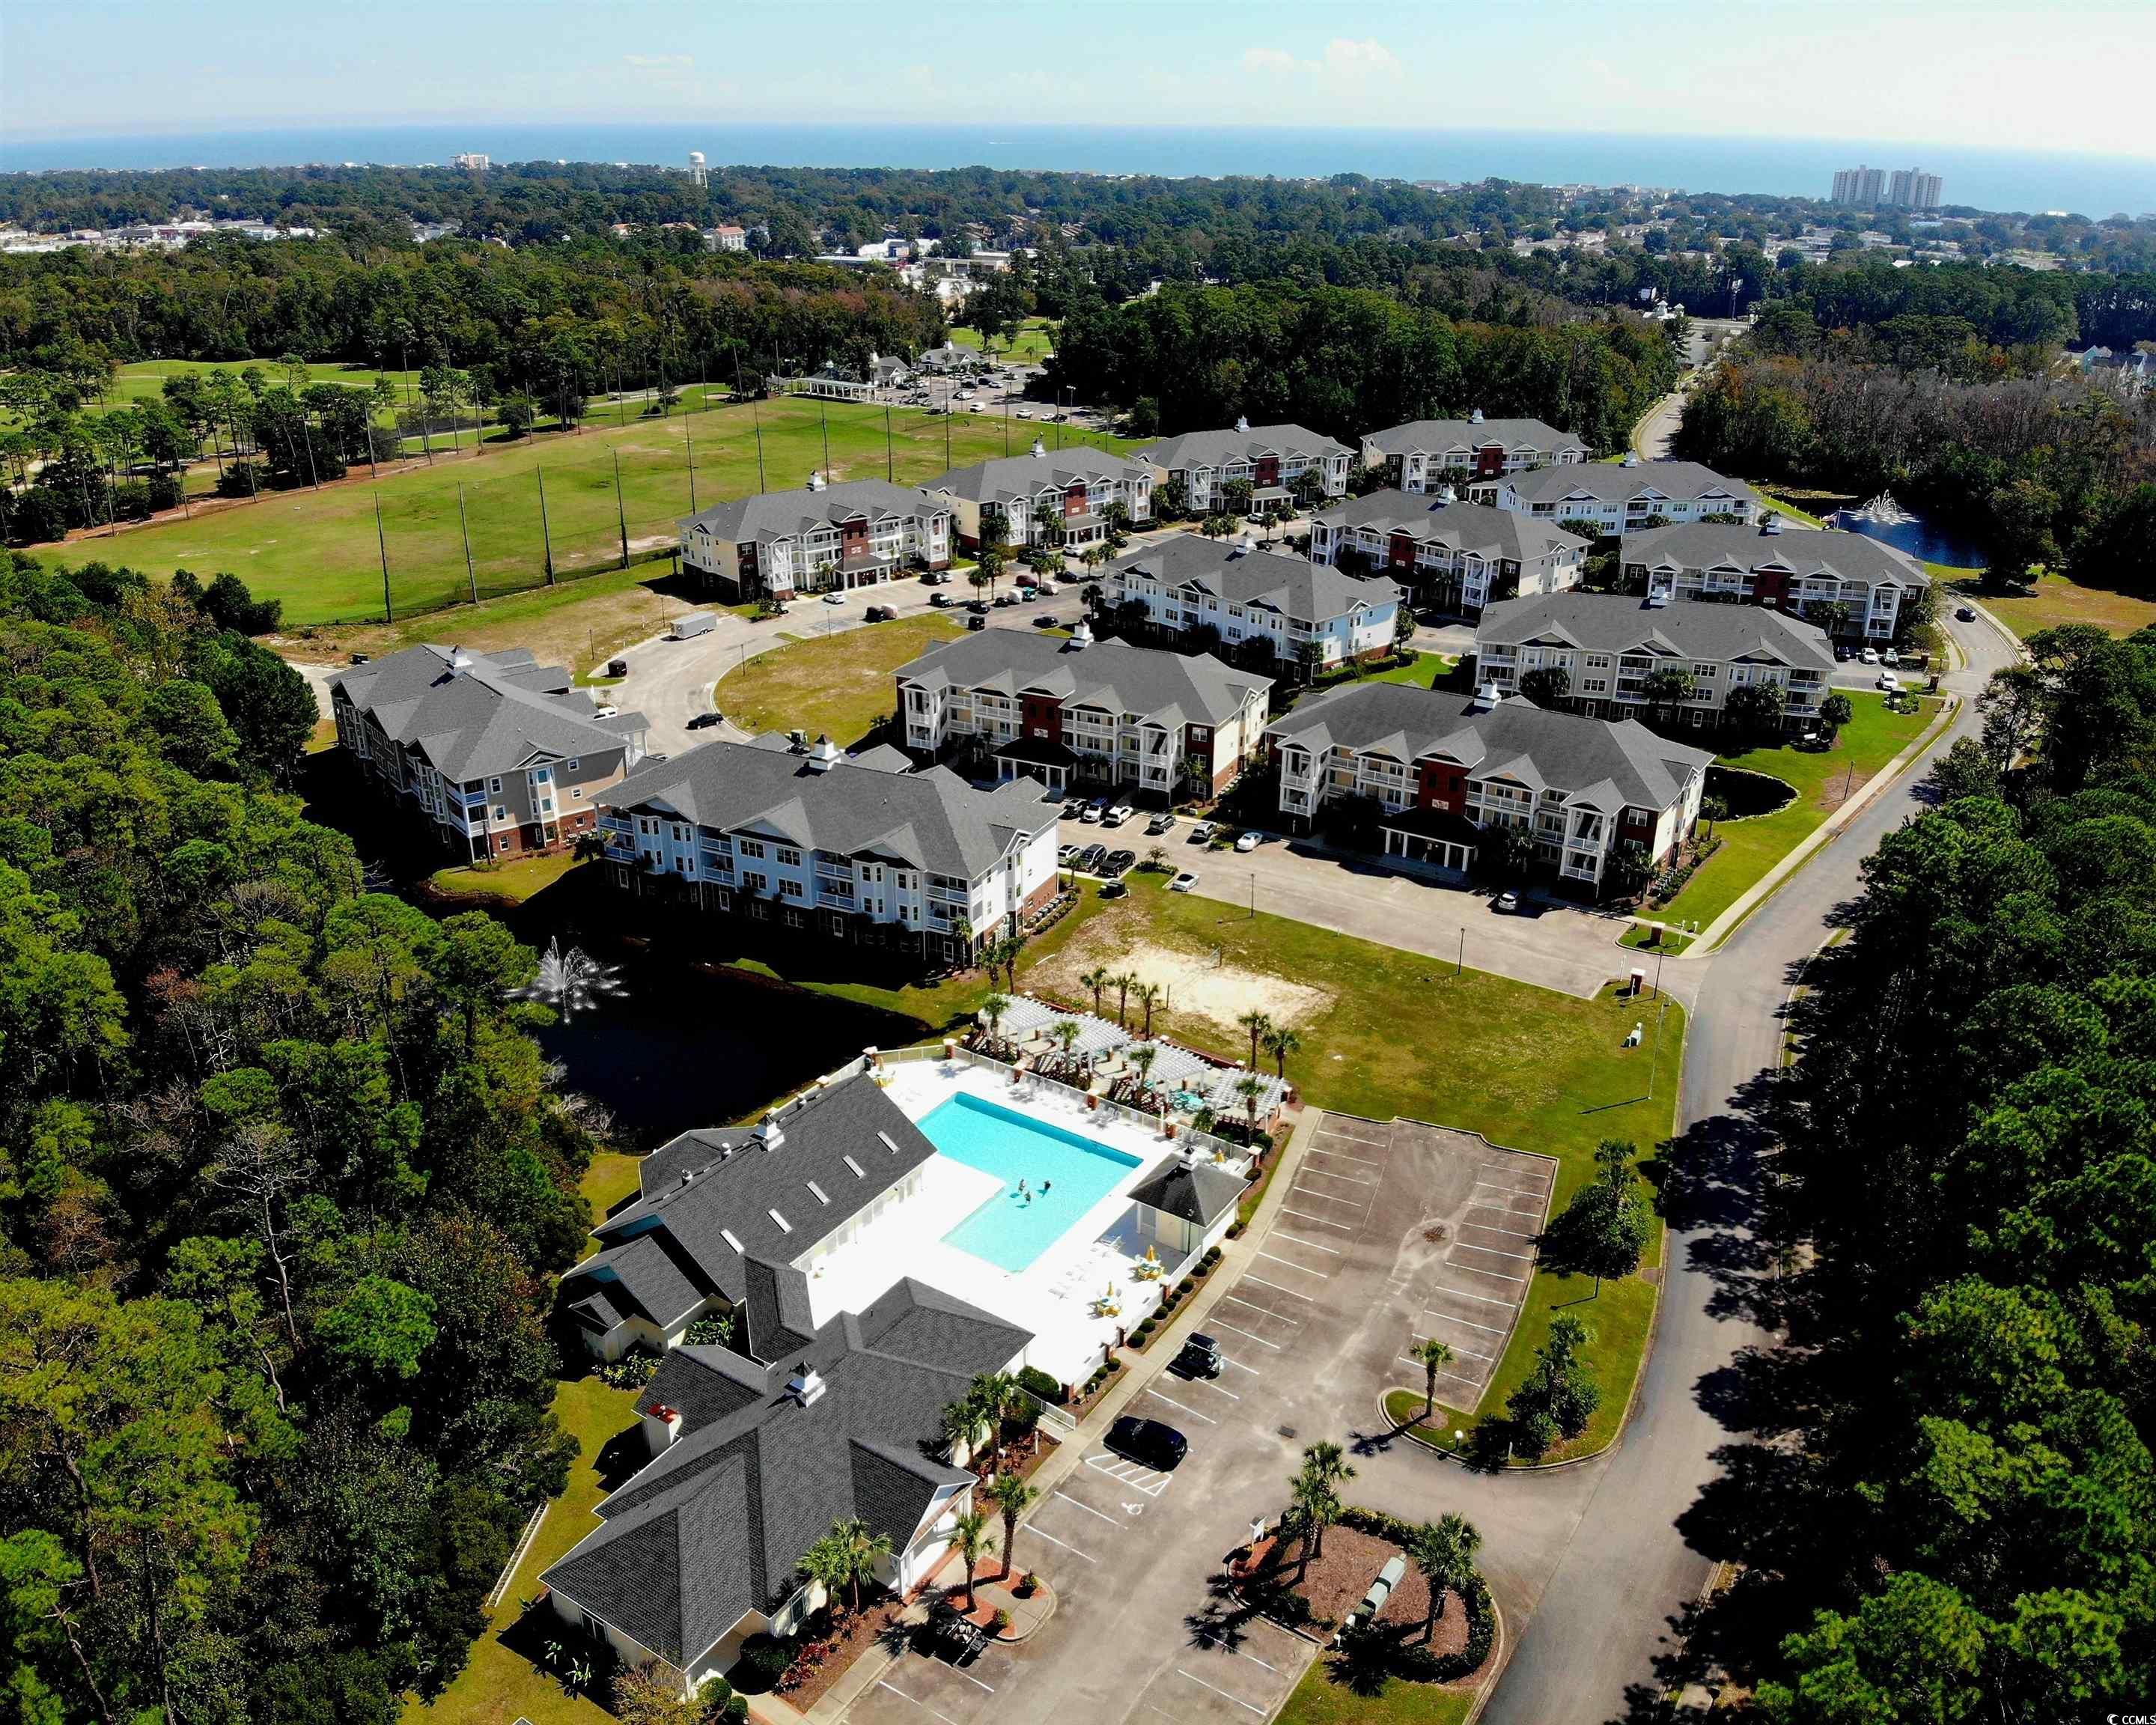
{"x":1890,"y":657}
{"x":1507,"y":901}
{"x":941,"y":601}
{"x":1147,"y":1442}
{"x":977,"y":622}
{"x":1117,"y":816}
{"x":615,"y":667}
{"x":947,"y":1636}
{"x":1248,"y":842}
{"x":1869,"y":656}
{"x":1118,"y":862}
{"x":1202,"y":833}
{"x":1027,"y":593}
{"x":879,"y":614}
{"x":1889,"y":684}
{"x":705,"y":720}
{"x":1025,"y":412}
{"x":1067,"y":854}
{"x":1163,"y":822}
{"x":1094,"y":811}
{"x":1200,"y":1359}
{"x":1073,"y":808}
{"x":1091,"y":857}
{"x":835,"y":597}
{"x":1964,"y":613}
{"x":1843,"y":652}
{"x":1047,"y":620}
{"x":1182,"y":882}
{"x":979,"y":607}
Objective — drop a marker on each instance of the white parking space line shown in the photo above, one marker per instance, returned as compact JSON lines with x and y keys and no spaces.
{"x":1517,"y":1191}
{"x":1460,"y":1347}
{"x":1492,"y":1228}
{"x":1321,"y":1274}
{"x":1494,"y":1329}
{"x":1185,"y":1406}
{"x":1500,"y":1275}
{"x":977,"y":1682}
{"x":1224,"y":1324}
{"x":1208,"y":1639}
{"x":1327,"y":1197}
{"x":1472,"y":1382}
{"x":882,"y":1684}
{"x":1463,"y":1246}
{"x":1240,"y":1366}
{"x":1211,"y":1383}
{"x":1462,"y":1293}
{"x":1267,"y":1311}
{"x":1334,"y":1132}
{"x":1322,"y":1221}
{"x":1249,"y":1275}
{"x":1342,"y":1156}
{"x":1087,"y":1507}
{"x":1223,"y":1695}
{"x":1143,"y":1480}
{"x":1052,"y":1540}
{"x":1326,"y":1174}
{"x":1504,"y":1168}
{"x":1282,"y":1233}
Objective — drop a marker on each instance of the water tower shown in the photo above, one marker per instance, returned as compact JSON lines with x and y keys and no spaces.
{"x":697,"y":173}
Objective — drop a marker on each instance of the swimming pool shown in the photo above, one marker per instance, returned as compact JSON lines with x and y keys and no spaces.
{"x":1064,"y":1174}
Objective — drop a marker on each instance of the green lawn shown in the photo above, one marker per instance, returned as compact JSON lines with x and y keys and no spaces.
{"x":1790,"y":511}
{"x":1636,"y":937}
{"x":838,"y":685}
{"x":317,"y":550}
{"x":1035,"y":340}
{"x":1320,"y":1699}
{"x":512,"y":882}
{"x":1823,"y":782}
{"x":2056,"y":602}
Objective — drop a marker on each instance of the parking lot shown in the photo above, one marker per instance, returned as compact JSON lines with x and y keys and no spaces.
{"x":1383,"y":1233}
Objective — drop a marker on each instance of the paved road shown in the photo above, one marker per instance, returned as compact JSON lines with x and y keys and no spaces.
{"x":1597,"y":1646}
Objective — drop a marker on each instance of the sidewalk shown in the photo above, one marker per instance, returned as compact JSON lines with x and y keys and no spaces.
{"x":1139,"y":1370}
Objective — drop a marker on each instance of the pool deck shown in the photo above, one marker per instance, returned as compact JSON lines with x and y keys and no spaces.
{"x":1053,"y":1296}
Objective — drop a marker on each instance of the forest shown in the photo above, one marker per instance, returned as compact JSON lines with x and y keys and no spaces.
{"x":1345,"y":361}
{"x":1952,"y":1512}
{"x":282,"y":1176}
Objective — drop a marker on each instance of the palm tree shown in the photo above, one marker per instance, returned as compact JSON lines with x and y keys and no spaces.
{"x":1279,"y":1043}
{"x":1142,"y":1058}
{"x":997,"y":1395}
{"x":863,"y":1547}
{"x":1257,"y":1024}
{"x":993,"y":1009}
{"x":1444,"y":1551}
{"x":1249,"y":1089}
{"x":969,"y":1536}
{"x":1431,"y":1354}
{"x":1327,"y":1463}
{"x":827,"y":1564}
{"x":1147,"y":993}
{"x":1066,"y":1032}
{"x":1013,"y":1497}
{"x":1125,"y":981}
{"x":1311,"y":1504}
{"x":962,"y":1425}
{"x":1097,"y":979}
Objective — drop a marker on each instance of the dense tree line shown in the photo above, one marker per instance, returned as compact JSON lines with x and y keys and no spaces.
{"x":281,"y":1176}
{"x":2052,"y":471}
{"x":1957,"y":1520}
{"x":1346,"y":361}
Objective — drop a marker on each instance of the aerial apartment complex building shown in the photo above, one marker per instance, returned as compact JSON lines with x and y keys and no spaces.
{"x":1272,"y":459}
{"x":1849,"y":584}
{"x":1621,"y":497}
{"x":776,"y":544}
{"x":1058,"y":502}
{"x":504,"y":757}
{"x":1450,"y":557}
{"x":1431,"y":454}
{"x":1297,"y":608}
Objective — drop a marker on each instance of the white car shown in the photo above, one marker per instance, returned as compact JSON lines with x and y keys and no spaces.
{"x":1117,"y":816}
{"x":1202,"y":832}
{"x":1869,"y":656}
{"x":1889,"y":683}
{"x":835,"y":598}
{"x":1890,"y":657}
{"x":975,"y":408}
{"x":1248,"y":843}
{"x":1182,"y":882}
{"x":1025,"y":412}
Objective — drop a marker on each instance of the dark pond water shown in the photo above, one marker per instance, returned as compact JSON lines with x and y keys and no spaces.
{"x":1919,"y":539}
{"x":1748,"y":792}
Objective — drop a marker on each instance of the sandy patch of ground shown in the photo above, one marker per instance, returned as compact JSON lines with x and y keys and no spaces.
{"x":1197,"y":984}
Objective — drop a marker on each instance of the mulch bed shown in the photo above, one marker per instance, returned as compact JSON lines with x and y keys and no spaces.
{"x":843,"y":1640}
{"x":1341,"y":1575}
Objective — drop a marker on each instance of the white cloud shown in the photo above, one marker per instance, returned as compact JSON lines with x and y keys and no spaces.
{"x":1268,"y":60}
{"x":661,"y":62}
{"x":1360,"y":59}
{"x":1345,"y":65}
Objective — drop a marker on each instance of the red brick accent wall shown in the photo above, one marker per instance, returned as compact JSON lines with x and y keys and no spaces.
{"x":1041,"y":897}
{"x":1770,"y":586}
{"x":1440,"y":785}
{"x":1041,"y":711}
{"x":1399,"y":553}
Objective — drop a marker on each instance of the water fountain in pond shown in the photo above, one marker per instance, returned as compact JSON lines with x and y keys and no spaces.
{"x":1884,"y":510}
{"x":571,"y":982}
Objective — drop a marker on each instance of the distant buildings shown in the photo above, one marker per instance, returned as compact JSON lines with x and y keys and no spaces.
{"x":698,"y":174}
{"x":1426,"y":454}
{"x":1271,"y":459}
{"x":1058,"y":501}
{"x":1623,"y":496}
{"x":1809,"y":574}
{"x":1453,"y":557}
{"x":777,"y":544}
{"x":1873,"y":188}
{"x":726,"y":237}
{"x":476,"y":160}
{"x":1266,"y":608}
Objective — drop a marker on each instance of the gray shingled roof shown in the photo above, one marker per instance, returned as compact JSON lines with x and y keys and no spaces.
{"x":472,"y":715}
{"x":1176,"y":688}
{"x":714,"y":1526}
{"x":1197,"y":1191}
{"x":1619,"y":482}
{"x":1025,"y":476}
{"x":1459,"y":528}
{"x":1607,"y":764}
{"x":1832,"y":551}
{"x":1610,"y":623}
{"x":645,"y":1274}
{"x":1295,"y":587}
{"x":779,"y":515}
{"x":711,"y":1183}
{"x":1439,"y":436}
{"x":1216,"y":449}
{"x":860,"y":807}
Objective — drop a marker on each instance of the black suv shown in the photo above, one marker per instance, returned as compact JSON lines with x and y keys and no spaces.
{"x":1200,"y":1359}
{"x":1149,"y":1443}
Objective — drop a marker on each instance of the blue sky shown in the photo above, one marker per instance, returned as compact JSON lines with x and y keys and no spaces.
{"x":2027,"y":76}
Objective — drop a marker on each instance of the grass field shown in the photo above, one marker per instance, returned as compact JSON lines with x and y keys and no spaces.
{"x":1824,"y":781}
{"x":1321,"y":1698}
{"x":2057,"y":602}
{"x":836,"y":686}
{"x":317,"y":552}
{"x":1034,"y":342}
{"x":512,"y":882}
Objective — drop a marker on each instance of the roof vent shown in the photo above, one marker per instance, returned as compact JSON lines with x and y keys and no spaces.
{"x":797,"y":742}
{"x":817,"y":482}
{"x":1486,"y":696}
{"x":1475,"y":418}
{"x":806,"y":1385}
{"x":460,"y":661}
{"x":1657,"y":600}
{"x":1242,"y":422}
{"x":769,"y":1133}
{"x":1038,"y":450}
{"x":1770,"y":522}
{"x":825,"y":755}
{"x":1446,"y":494}
{"x":1631,"y":458}
{"x":1082,"y":636}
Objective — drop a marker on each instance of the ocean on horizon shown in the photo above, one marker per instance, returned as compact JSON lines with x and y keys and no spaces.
{"x":2024,"y":181}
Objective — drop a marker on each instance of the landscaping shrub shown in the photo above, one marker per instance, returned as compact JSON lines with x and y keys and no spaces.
{"x":1036,"y":1382}
{"x":764,"y":1658}
{"x":631,"y":1371}
{"x":1183,"y":1286}
{"x":1143,"y":1330}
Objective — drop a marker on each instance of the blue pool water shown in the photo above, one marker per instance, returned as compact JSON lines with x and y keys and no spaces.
{"x":1012,"y":1228}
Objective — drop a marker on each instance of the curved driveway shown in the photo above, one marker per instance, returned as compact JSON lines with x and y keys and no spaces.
{"x":1597,"y":1645}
